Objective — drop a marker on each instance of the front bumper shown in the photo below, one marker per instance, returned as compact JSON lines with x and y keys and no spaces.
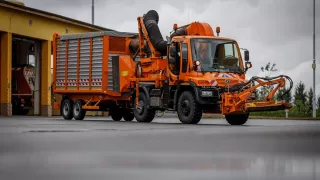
{"x":205,"y":96}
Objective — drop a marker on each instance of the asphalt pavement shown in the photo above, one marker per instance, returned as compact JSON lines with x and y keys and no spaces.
{"x":98,"y":148}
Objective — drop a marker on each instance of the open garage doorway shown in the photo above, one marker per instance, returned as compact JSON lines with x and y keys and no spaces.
{"x":25,"y":76}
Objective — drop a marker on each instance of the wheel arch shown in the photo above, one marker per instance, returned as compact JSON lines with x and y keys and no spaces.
{"x":144,"y":89}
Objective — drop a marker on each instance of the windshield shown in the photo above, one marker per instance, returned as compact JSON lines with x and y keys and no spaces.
{"x":216,"y":55}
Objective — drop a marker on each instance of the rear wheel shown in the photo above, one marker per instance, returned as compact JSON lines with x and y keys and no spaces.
{"x":25,"y":112}
{"x":78,"y":112}
{"x":128,"y":115}
{"x":66,"y":109}
{"x":16,"y":106}
{"x":115,"y":115}
{"x":141,"y":112}
{"x":237,"y":119}
{"x":189,"y":111}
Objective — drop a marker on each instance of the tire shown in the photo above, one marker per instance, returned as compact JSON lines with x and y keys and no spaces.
{"x":67,"y":109}
{"x":237,"y":119}
{"x":78,"y":112}
{"x":24,"y":112}
{"x":116,"y":115}
{"x":189,"y":111}
{"x":16,"y":106}
{"x":143,"y":113}
{"x":128,"y":115}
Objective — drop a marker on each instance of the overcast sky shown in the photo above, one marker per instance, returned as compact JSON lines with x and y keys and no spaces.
{"x":276,"y":31}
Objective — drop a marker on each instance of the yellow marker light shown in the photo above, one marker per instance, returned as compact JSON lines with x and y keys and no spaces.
{"x":218,"y":29}
{"x":175,"y":26}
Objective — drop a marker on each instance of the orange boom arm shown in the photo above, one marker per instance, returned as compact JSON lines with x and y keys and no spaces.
{"x":237,"y":100}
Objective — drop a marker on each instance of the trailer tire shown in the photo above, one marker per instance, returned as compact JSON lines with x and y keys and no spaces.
{"x":143,"y":113}
{"x":16,"y":106}
{"x":237,"y":119}
{"x":67,"y":109}
{"x":189,"y":111}
{"x":78,"y":112}
{"x":115,"y":115}
{"x":128,"y":115}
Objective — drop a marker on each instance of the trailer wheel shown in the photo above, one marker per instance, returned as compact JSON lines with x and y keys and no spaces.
{"x":16,"y":106}
{"x":128,"y":115}
{"x":189,"y":111}
{"x":78,"y":112}
{"x":66,"y":109}
{"x":141,"y":112}
{"x":115,"y":115}
{"x":237,"y":119}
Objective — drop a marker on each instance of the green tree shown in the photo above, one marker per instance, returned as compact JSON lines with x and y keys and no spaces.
{"x":310,"y":101}
{"x":281,"y":96}
{"x":257,"y":94}
{"x":300,"y":93}
{"x":318,"y":102}
{"x":268,"y":69}
{"x":300,"y":97}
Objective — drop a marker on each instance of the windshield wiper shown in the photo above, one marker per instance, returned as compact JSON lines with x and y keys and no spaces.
{"x":215,"y":64}
{"x":236,"y":70}
{"x":195,"y":50}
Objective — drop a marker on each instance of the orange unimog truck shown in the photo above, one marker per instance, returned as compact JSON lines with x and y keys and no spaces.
{"x":133,"y":75}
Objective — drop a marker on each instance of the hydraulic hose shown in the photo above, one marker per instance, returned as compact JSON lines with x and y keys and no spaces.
{"x":238,"y":87}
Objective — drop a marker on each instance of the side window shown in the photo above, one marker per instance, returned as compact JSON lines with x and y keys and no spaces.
{"x":174,"y":58}
{"x":184,"y":50}
{"x":31,"y":60}
{"x":228,"y":50}
{"x":231,"y":50}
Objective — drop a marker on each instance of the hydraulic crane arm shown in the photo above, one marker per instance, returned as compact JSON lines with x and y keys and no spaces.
{"x":237,"y":100}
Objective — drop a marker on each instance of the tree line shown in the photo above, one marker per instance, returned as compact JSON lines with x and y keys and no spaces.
{"x":302,"y":98}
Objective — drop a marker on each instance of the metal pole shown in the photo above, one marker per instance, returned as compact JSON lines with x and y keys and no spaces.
{"x":314,"y":60}
{"x":92,"y":11}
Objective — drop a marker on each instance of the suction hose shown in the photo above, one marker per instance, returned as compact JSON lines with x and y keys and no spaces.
{"x":150,"y":21}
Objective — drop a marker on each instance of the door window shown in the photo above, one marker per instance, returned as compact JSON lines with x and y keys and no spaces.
{"x":184,"y":50}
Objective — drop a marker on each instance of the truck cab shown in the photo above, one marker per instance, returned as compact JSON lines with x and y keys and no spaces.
{"x":206,"y":66}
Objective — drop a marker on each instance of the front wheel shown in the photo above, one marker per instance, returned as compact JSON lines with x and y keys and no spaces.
{"x":237,"y":119}
{"x":189,"y":111}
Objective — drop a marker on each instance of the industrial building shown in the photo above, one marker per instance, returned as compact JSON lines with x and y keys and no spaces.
{"x":26,"y":55}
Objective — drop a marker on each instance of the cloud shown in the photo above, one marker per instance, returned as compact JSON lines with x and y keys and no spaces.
{"x":276,"y":31}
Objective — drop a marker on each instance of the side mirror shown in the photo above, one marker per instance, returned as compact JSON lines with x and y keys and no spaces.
{"x":246,"y":55}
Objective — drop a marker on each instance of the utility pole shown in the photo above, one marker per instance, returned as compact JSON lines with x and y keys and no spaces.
{"x":314,"y":60}
{"x":188,"y":14}
{"x":92,"y":12}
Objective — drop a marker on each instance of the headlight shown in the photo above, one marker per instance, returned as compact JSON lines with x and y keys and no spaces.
{"x":206,"y":93}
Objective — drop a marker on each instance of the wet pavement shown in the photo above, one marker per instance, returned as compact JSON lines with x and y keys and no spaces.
{"x":98,"y":148}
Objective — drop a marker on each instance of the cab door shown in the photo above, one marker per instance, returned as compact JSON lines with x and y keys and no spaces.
{"x":183,"y":61}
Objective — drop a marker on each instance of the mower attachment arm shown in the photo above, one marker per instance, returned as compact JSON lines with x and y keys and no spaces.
{"x":238,"y":99}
